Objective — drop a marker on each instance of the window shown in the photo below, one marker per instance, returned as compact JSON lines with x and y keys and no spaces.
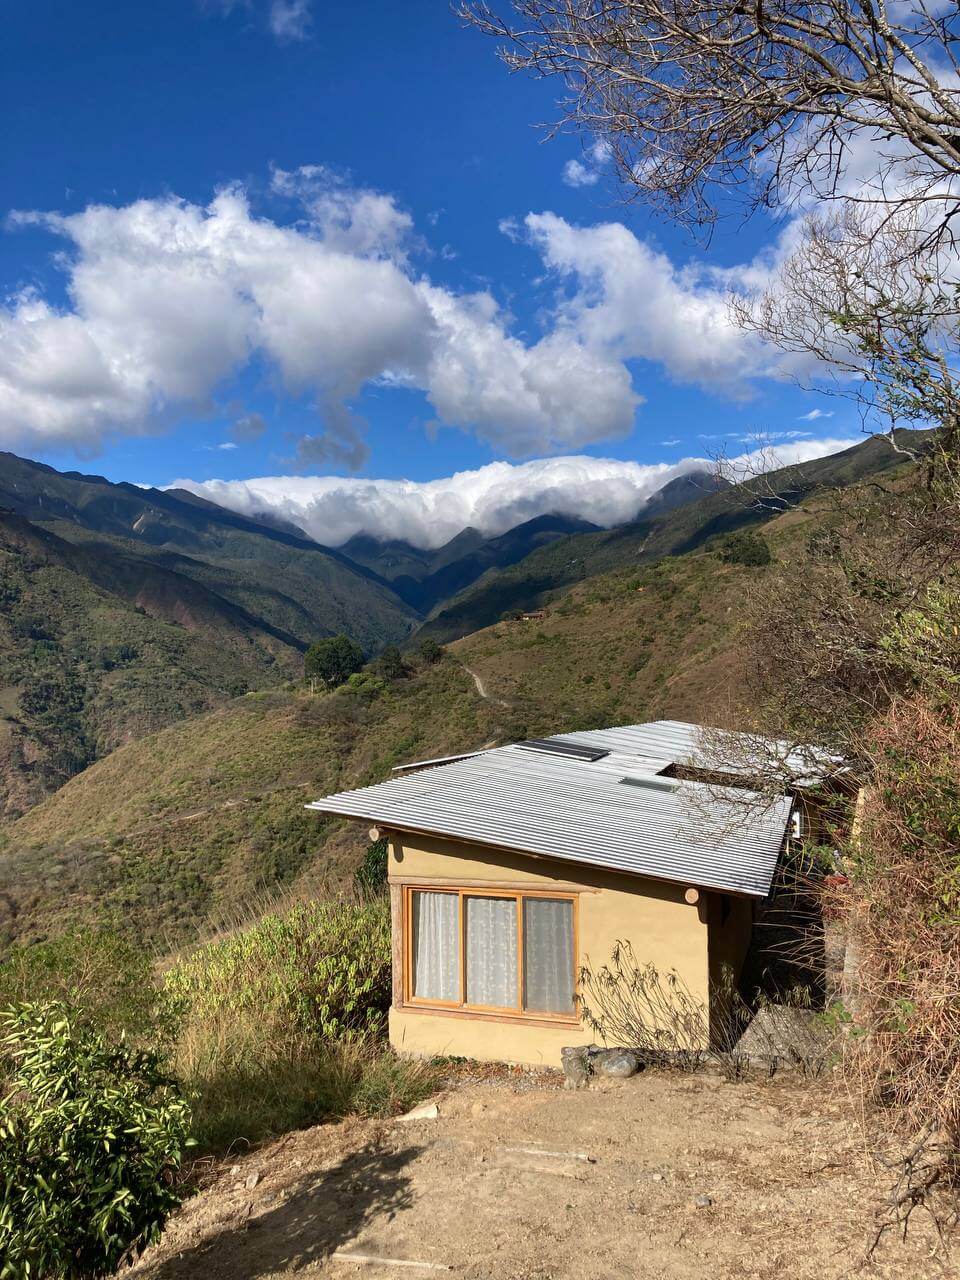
{"x":511,"y":953}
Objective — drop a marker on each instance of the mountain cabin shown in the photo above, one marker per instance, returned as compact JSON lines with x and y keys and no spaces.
{"x":511,"y":868}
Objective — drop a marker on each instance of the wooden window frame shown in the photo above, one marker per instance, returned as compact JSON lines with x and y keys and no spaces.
{"x":460,"y":892}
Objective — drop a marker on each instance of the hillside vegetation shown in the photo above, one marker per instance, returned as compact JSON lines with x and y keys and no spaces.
{"x":85,"y":668}
{"x":684,"y":527}
{"x":199,"y":821}
{"x":277,"y":574}
{"x":193,"y":824}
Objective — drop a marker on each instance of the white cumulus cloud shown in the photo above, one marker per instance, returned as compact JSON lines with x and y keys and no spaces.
{"x":576,"y":174}
{"x":493,"y":498}
{"x":169,"y":300}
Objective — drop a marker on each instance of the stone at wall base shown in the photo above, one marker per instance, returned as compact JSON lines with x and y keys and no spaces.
{"x":619,"y":1063}
{"x":576,"y":1066}
{"x":580,"y":1062}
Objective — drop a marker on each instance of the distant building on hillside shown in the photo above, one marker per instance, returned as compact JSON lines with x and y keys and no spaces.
{"x":511,"y":868}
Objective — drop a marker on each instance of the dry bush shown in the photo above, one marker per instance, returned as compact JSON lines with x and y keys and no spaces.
{"x":902,"y":909}
{"x":253,"y":1077}
{"x":632,"y":1005}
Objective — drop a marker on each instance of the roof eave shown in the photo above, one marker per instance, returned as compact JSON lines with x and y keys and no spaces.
{"x":317,"y":806}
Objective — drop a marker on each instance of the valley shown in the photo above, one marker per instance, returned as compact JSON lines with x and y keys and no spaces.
{"x":158,"y":742}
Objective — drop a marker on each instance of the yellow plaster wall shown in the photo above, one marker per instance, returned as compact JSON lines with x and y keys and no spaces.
{"x":664,"y":930}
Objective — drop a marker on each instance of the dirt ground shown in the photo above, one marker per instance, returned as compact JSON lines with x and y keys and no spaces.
{"x":662,"y":1177}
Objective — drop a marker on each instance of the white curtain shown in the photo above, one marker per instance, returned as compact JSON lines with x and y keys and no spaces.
{"x":491,"y":925}
{"x":548,"y":955}
{"x":436,"y":946}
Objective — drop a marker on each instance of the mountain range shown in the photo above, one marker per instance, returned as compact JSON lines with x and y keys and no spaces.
{"x":156,"y":739}
{"x":128,"y":609}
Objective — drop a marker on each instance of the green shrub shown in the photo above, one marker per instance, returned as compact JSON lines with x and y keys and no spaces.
{"x":746,"y":548}
{"x":431,"y":651}
{"x":281,"y":1025}
{"x":321,"y":968}
{"x":96,"y":972}
{"x":91,"y":1137}
{"x":390,"y":664}
{"x":365,"y":684}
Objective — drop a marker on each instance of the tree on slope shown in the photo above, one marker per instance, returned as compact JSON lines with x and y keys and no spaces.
{"x":333,"y":660}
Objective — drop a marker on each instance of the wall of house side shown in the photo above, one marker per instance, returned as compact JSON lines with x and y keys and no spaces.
{"x":664,"y":929}
{"x":731,"y":927}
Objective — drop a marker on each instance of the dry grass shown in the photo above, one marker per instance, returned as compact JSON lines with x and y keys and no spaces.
{"x":254,"y":1078}
{"x":280,"y":1023}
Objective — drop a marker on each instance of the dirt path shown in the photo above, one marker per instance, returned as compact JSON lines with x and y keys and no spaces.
{"x":482,"y":688}
{"x":658,"y":1178}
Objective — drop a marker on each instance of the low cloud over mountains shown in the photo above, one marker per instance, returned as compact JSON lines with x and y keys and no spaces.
{"x":493,"y":498}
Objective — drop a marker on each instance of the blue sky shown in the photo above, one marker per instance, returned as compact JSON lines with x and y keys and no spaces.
{"x":302,"y":112}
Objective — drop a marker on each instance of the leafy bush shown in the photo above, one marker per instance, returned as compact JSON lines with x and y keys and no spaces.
{"x":390,"y":664}
{"x":746,"y":548}
{"x":321,"y":968}
{"x":364,"y":684}
{"x":431,"y":651}
{"x":281,"y":1025}
{"x":333,"y":659}
{"x":92,"y":1136}
{"x":94,"y":971}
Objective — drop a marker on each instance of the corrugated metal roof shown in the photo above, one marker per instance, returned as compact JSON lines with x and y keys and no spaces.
{"x":581,"y":812}
{"x":676,"y":742}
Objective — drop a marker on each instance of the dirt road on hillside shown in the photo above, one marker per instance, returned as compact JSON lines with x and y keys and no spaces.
{"x":482,"y":688}
{"x":662,"y":1177}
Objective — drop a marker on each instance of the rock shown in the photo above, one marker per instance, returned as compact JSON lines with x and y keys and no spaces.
{"x":658,"y":1177}
{"x":782,"y":1034}
{"x":426,"y":1111}
{"x":252,"y":1180}
{"x":619,"y":1063}
{"x":576,"y":1066}
{"x":703,"y":1202}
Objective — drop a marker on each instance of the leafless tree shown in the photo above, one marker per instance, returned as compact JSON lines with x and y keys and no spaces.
{"x":788,"y":103}
{"x":876,"y":306}
{"x":698,"y":97}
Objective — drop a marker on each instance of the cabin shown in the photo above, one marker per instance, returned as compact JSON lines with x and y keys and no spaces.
{"x":511,"y":868}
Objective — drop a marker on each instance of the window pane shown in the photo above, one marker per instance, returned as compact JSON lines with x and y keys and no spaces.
{"x":548,"y":955}
{"x":491,"y":925}
{"x":436,"y":947}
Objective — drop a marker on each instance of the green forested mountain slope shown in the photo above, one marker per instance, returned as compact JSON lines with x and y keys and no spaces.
{"x":282,"y":577}
{"x":425,"y":578}
{"x":205,"y":816}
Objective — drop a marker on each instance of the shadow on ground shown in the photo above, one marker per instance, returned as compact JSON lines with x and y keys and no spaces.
{"x":319,"y":1214}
